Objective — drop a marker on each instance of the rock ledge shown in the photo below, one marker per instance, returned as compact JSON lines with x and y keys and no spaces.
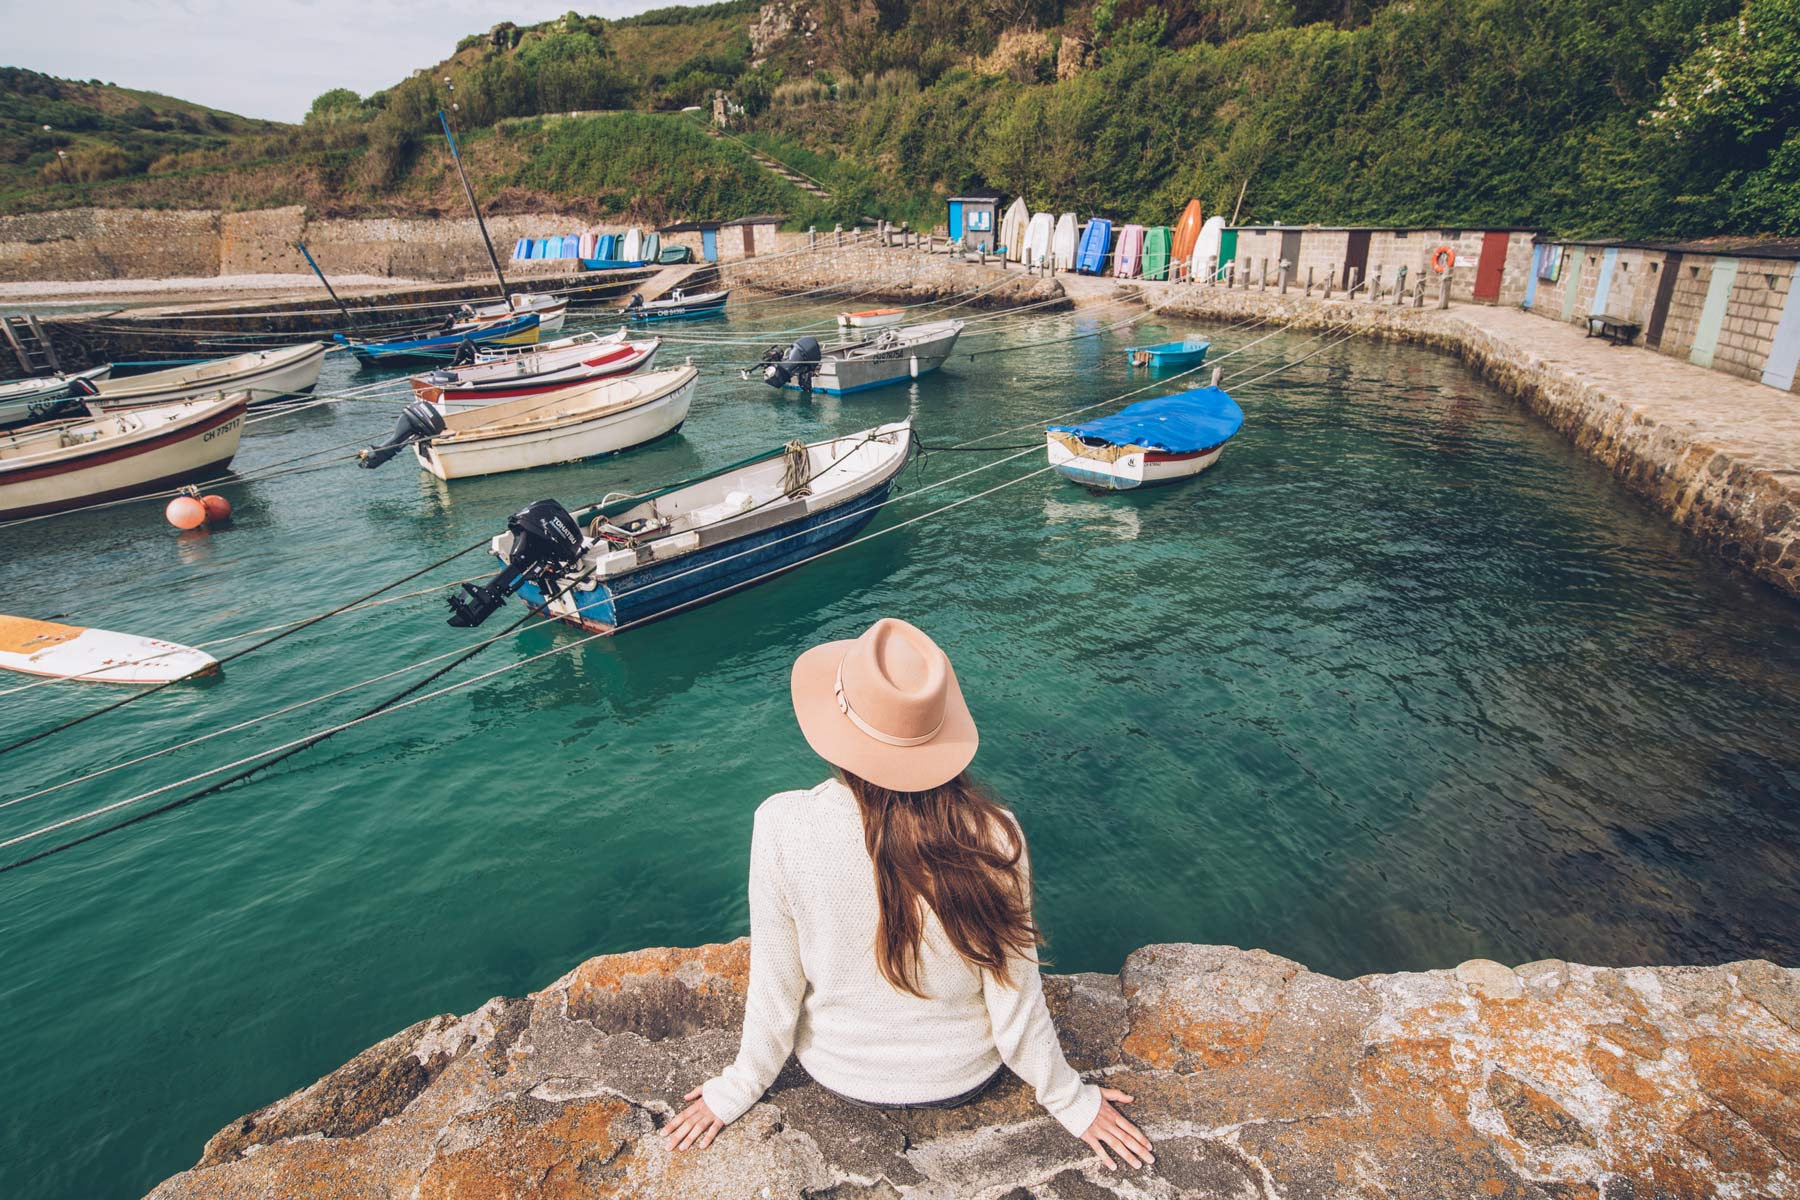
{"x":1255,"y":1077}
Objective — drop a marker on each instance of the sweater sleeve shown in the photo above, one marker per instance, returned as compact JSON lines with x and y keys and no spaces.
{"x":1026,"y":1039}
{"x":777,"y":985}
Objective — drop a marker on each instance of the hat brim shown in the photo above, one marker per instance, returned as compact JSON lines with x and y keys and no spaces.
{"x":898,"y":768}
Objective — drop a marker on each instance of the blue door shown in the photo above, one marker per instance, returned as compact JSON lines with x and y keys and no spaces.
{"x":709,"y":245}
{"x":956,"y":220}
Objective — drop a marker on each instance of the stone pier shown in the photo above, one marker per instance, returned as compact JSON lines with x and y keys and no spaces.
{"x":1254,"y":1077}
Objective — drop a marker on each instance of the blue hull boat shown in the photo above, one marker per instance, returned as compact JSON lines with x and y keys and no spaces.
{"x":650,"y":556}
{"x":1096,"y":240}
{"x":443,"y":347}
{"x":1151,"y":442}
{"x":678,"y":307}
{"x":608,"y":264}
{"x":1190,"y":353}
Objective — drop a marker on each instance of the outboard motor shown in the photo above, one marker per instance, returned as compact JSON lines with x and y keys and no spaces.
{"x":800,"y":362}
{"x":418,"y":421}
{"x":546,"y":540}
{"x":83,"y":388}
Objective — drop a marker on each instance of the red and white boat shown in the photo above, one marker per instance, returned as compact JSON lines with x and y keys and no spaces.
{"x":551,"y":311}
{"x":534,"y":374}
{"x":872,"y":318}
{"x":65,"y":464}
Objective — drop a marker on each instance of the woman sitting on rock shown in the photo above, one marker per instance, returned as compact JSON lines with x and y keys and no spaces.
{"x":892,"y":947}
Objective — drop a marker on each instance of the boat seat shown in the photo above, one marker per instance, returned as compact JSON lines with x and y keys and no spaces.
{"x":734,"y":504}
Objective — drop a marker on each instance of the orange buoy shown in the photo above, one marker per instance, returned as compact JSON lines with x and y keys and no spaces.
{"x":186,"y":512}
{"x":1443,"y":259}
{"x":218,"y":508}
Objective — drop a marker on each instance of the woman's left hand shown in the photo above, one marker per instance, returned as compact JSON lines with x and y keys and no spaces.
{"x":694,"y":1126}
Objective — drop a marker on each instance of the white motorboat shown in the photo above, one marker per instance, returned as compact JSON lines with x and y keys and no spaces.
{"x":26,"y":400}
{"x":893,"y":355}
{"x":533,"y":374}
{"x":585,"y":421}
{"x":263,"y":375}
{"x":66,"y":464}
{"x":552,"y":310}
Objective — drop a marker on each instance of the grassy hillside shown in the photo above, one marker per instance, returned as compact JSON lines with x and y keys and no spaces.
{"x":1655,"y":118}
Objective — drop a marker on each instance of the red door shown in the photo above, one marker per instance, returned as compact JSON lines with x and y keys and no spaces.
{"x":1491,"y":266}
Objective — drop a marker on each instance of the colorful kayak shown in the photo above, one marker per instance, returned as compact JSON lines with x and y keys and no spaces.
{"x":96,"y":655}
{"x":1156,"y":253}
{"x":1096,"y":240}
{"x":1130,"y":253}
{"x":1181,"y":243}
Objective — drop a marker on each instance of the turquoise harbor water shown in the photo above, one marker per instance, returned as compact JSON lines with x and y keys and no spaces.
{"x":1404,"y":680}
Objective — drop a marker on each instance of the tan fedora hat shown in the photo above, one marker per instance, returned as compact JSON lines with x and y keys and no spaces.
{"x":885,"y":707}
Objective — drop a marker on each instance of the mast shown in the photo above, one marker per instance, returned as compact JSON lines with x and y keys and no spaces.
{"x":473,"y":207}
{"x":348,"y":319}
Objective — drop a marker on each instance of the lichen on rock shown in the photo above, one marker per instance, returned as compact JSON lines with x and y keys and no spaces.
{"x":1255,"y":1077}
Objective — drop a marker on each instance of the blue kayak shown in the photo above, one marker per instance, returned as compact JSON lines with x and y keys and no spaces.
{"x":442,"y":347}
{"x":1190,"y":353}
{"x":1096,"y":240}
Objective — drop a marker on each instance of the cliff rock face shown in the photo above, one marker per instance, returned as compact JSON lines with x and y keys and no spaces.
{"x":1255,"y":1078}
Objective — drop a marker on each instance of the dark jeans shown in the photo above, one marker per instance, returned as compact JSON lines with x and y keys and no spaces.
{"x":973,"y":1093}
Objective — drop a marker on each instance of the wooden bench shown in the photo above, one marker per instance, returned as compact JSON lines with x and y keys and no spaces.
{"x":1620,"y":331}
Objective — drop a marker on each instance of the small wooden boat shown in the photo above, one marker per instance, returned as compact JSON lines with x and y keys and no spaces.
{"x":551,"y":311}
{"x":1181,"y":241}
{"x":651,"y":248}
{"x":1012,"y":230}
{"x":676,"y":305}
{"x":566,"y":425}
{"x":1189,"y":353}
{"x":631,"y":245}
{"x":264,"y":375}
{"x":610,"y":264}
{"x":443,"y":346}
{"x":1156,"y":253}
{"x":534,"y":373}
{"x":893,"y":356}
{"x":642,"y":557}
{"x":96,"y":655}
{"x":673,"y":255}
{"x":1131,"y":252}
{"x":1156,"y":441}
{"x":871,"y":318}
{"x":25,"y":400}
{"x":1096,"y":240}
{"x":585,"y":338}
{"x":66,"y":464}
{"x":1038,"y":233}
{"x":1063,"y":243}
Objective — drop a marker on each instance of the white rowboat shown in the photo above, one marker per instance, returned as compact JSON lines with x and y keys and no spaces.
{"x":264,"y":375}
{"x":66,"y":464}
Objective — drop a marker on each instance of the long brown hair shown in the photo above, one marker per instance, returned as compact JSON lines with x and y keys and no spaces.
{"x":959,"y":852}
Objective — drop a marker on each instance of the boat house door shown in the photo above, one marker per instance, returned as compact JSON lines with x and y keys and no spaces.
{"x":1490,"y":268}
{"x":749,"y":241}
{"x":1665,"y":292}
{"x":709,"y":245}
{"x":1227,"y":250}
{"x":1290,"y":250}
{"x":956,"y":220}
{"x":1356,"y":255}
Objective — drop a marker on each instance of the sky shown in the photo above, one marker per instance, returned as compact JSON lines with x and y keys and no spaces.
{"x":260,"y":58}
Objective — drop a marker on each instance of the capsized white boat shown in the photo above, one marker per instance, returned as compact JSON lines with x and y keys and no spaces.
{"x":96,"y":655}
{"x":871,"y":318}
{"x":1012,"y":230}
{"x":585,"y":421}
{"x":262,"y":375}
{"x":1063,"y":242}
{"x":1038,"y":233}
{"x":66,"y":464}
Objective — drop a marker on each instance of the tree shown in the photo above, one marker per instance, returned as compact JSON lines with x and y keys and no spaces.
{"x":335,"y":105}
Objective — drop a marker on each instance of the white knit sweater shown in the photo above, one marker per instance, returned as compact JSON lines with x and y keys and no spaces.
{"x":815,"y":991}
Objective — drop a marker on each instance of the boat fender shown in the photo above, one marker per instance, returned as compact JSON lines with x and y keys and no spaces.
{"x":800,"y":362}
{"x":418,"y":422}
{"x":1443,"y":259}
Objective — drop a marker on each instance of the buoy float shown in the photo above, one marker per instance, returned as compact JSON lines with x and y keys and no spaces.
{"x":186,"y":512}
{"x":1443,"y":259}
{"x":218,"y":508}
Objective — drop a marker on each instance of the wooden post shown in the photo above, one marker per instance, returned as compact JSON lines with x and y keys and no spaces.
{"x":981,"y":255}
{"x":1212,"y":271}
{"x":1419,"y":293}
{"x":1309,"y":281}
{"x":1262,"y":274}
{"x":837,"y":233}
{"x":812,"y":237}
{"x":1350,"y":274}
{"x":1444,"y":290}
{"x":1375,"y":287}
{"x":1330,"y":281}
{"x":1281,"y":277}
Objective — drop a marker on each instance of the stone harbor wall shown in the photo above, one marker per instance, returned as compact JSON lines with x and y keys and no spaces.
{"x":865,"y":274}
{"x":1253,"y":1076}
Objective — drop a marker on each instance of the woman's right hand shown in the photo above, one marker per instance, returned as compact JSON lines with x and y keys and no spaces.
{"x":1109,"y":1128}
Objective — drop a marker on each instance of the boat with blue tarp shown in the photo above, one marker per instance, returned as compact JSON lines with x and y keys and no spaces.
{"x":443,"y":346}
{"x":1188,"y":353}
{"x":634,"y":558}
{"x":1155,"y":441}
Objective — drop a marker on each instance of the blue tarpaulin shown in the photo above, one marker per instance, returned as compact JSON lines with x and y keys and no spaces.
{"x":1178,"y":424}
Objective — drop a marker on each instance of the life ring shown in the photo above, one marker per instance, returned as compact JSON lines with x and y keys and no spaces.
{"x":1443,"y":259}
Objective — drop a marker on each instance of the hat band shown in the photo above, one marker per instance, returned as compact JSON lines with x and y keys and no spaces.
{"x":843,"y":703}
